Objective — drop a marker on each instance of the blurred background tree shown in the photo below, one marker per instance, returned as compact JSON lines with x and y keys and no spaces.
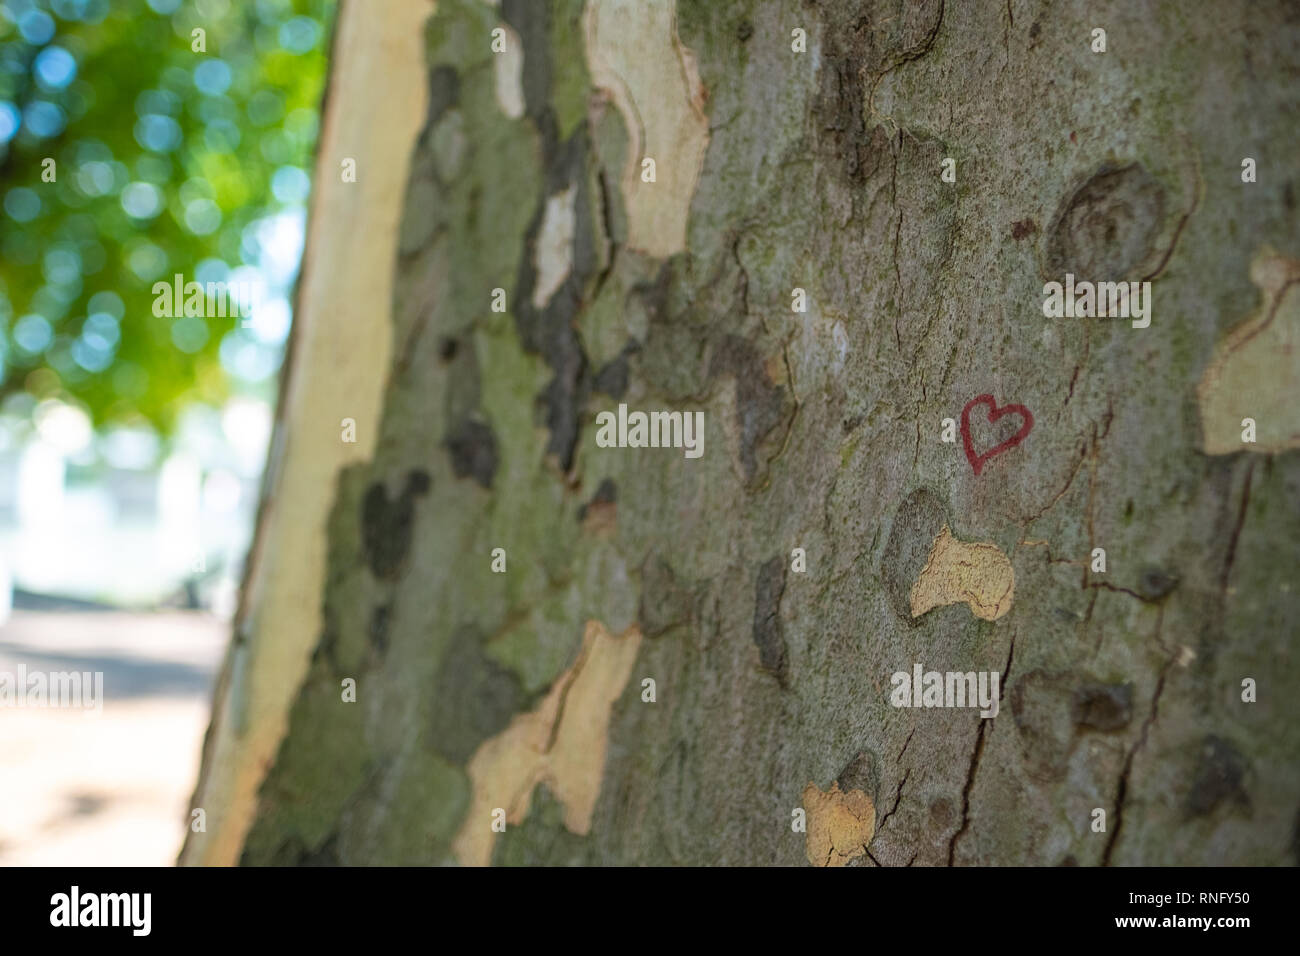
{"x":174,"y":151}
{"x":141,"y":140}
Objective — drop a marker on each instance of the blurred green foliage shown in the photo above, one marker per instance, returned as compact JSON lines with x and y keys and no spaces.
{"x":166,"y":160}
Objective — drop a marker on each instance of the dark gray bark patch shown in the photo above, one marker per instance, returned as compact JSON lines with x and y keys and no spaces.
{"x":1220,"y":776}
{"x":918,"y":522}
{"x":861,"y":773}
{"x":1042,"y":707}
{"x":606,"y":494}
{"x":378,"y":629}
{"x":473,"y":450}
{"x":1107,"y":228}
{"x":761,"y":405}
{"x":386,"y":525}
{"x":473,"y":697}
{"x":444,"y":93}
{"x":612,"y":379}
{"x":550,"y":330}
{"x":292,"y":851}
{"x":531,"y":21}
{"x":769,"y":633}
{"x":665,"y":601}
{"x":1154,"y":583}
{"x":675,"y":352}
{"x":324,"y":652}
{"x":1103,"y":706}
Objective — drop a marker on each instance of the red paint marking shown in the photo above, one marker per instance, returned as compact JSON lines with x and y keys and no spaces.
{"x":977,"y":461}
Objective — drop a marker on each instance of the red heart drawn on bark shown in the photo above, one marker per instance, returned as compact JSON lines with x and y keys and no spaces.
{"x":977,"y":461}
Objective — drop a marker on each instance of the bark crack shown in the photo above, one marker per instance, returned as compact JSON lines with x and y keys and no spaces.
{"x":898,"y":796}
{"x":975,"y":761}
{"x":1119,"y":589}
{"x":965,"y":791}
{"x":905,"y":743}
{"x":1122,"y":791}
{"x":1236,"y":533}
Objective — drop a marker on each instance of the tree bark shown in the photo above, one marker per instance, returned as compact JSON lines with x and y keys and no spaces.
{"x":773,"y":736}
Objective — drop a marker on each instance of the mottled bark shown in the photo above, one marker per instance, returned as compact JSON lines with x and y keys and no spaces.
{"x":1121,"y":690}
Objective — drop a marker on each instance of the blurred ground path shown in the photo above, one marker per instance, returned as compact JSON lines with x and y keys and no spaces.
{"x":80,"y":789}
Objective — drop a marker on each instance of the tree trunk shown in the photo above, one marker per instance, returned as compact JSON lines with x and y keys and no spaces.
{"x":705,"y":653}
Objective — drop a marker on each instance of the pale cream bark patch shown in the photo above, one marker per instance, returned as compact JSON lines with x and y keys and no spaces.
{"x":634,"y":53}
{"x":561,"y":743}
{"x":509,"y":70}
{"x":974,"y":573}
{"x":840,"y":824}
{"x":1255,"y":370}
{"x":554,"y":250}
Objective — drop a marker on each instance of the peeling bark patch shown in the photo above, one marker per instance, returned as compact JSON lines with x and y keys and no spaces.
{"x":1255,"y":370}
{"x":840,"y":824}
{"x":562,"y":743}
{"x":386,"y":525}
{"x":1220,"y":775}
{"x":634,"y":53}
{"x":911,"y":539}
{"x":1107,"y":229}
{"x":509,"y":72}
{"x":473,"y":451}
{"x":977,"y":574}
{"x":553,"y":250}
{"x":769,"y":634}
{"x":473,"y":697}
